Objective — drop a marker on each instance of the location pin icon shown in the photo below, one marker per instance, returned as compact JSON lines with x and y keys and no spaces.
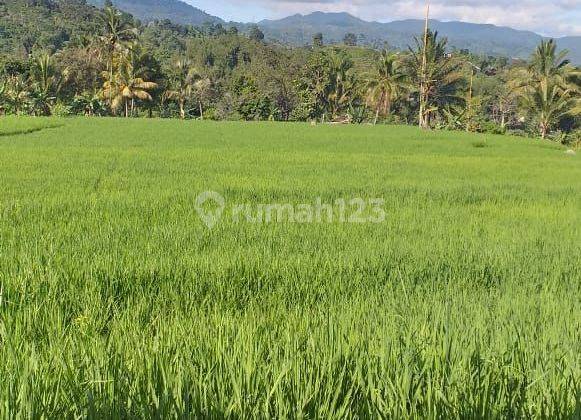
{"x":208,"y":215}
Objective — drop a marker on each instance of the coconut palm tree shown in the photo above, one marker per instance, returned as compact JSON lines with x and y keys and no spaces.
{"x":185,"y":77}
{"x":116,"y":31}
{"x":549,"y":101}
{"x":127,"y":85}
{"x":546,"y":62}
{"x":505,"y":97}
{"x":386,"y":84}
{"x":547,"y":87}
{"x":342,"y":83}
{"x":46,"y":83}
{"x":437,"y":75}
{"x":203,"y":90}
{"x":317,"y":83}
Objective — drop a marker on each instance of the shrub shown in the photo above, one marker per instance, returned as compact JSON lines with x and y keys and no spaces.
{"x":61,"y":110}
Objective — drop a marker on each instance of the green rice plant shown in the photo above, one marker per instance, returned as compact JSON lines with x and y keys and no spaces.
{"x":11,"y":125}
{"x":118,"y":302}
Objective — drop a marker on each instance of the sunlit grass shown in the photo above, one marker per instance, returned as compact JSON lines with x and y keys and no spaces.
{"x":118,"y":302}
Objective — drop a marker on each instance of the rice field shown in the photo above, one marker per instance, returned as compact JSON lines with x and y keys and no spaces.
{"x":118,"y":301}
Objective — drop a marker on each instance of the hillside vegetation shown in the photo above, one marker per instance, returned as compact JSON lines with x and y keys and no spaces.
{"x":478,"y":38}
{"x":67,"y":58}
{"x":299,"y":30}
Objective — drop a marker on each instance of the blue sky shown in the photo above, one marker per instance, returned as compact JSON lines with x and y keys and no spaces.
{"x":547,"y":17}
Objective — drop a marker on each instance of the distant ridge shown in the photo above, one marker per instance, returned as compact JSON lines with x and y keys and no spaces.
{"x":478,"y":38}
{"x":299,"y":29}
{"x":175,"y":10}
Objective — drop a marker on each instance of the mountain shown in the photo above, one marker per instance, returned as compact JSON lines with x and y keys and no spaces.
{"x":573,"y":44}
{"x":175,"y":10}
{"x":478,"y":38}
{"x":299,"y":29}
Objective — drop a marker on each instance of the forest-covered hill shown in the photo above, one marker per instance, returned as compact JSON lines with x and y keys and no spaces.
{"x":478,"y":38}
{"x":61,"y":57}
{"x":300,"y":29}
{"x":174,"y":10}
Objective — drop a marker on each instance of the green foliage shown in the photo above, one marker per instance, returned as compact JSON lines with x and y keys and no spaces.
{"x":105,"y":62}
{"x":255,"y":34}
{"x":549,"y":90}
{"x":350,"y":39}
{"x":60,"y":110}
{"x":387,"y":84}
{"x":184,"y":77}
{"x":329,"y":84}
{"x":436,"y":76}
{"x":574,"y":140}
{"x":318,"y":40}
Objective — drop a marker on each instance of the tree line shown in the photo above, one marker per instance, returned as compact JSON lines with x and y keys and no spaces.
{"x":120,"y":67}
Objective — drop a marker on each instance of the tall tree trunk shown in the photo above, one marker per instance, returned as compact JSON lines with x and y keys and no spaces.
{"x":126,"y":108}
{"x":424,"y":114}
{"x":421,"y":115}
{"x":544,"y":130}
{"x":423,"y":87}
{"x":387,"y":106}
{"x":201,"y":110}
{"x":469,"y":102}
{"x":376,"y":116}
{"x":182,"y":110}
{"x":111,"y":78}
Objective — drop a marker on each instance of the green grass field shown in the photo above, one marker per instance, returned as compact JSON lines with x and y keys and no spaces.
{"x":117,"y":301}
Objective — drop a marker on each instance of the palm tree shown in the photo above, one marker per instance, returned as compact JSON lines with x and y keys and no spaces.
{"x":547,"y":88}
{"x":46,"y":82}
{"x":203,"y":88}
{"x":3,"y":89}
{"x":342,"y":83}
{"x":184,"y":81}
{"x":549,"y":101}
{"x":547,"y":63}
{"x":116,"y":31}
{"x":437,"y":74}
{"x":386,"y":84}
{"x":127,"y":85}
{"x":318,"y":85}
{"x":505,"y":97}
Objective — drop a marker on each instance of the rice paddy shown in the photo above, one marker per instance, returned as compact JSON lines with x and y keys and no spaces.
{"x":117,"y":301}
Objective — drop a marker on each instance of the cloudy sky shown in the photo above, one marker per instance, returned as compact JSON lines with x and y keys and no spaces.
{"x":547,"y":17}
